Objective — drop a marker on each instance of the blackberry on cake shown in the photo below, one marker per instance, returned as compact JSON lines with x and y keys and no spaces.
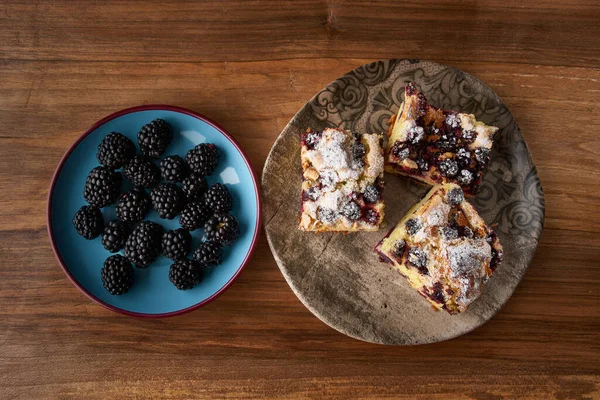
{"x":155,"y":137}
{"x":218,"y":199}
{"x":88,"y":222}
{"x":173,"y":169}
{"x":143,"y":246}
{"x":117,"y":275}
{"x":114,"y":235}
{"x":115,"y":150}
{"x":102,"y":186}
{"x":203,"y":158}
{"x":208,"y":253}
{"x":185,"y":274}
{"x":444,"y":249}
{"x":142,"y":172}
{"x":176,"y":244}
{"x":194,"y":215}
{"x":167,"y":200}
{"x":342,"y":187}
{"x":437,"y":146}
{"x":133,"y":206}
{"x":222,"y":228}
{"x":194,"y":187}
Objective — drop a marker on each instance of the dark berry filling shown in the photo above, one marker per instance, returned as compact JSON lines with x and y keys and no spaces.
{"x":311,"y":194}
{"x":310,"y":139}
{"x":468,"y":137}
{"x":358,"y":151}
{"x":438,"y":293}
{"x":496,"y":259}
{"x":371,"y":216}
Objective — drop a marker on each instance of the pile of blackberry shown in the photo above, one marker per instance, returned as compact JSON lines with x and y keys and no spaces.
{"x":173,"y":186}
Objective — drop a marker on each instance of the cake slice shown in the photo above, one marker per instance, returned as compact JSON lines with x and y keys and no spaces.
{"x":444,"y":249}
{"x":342,"y":183}
{"x":437,"y":146}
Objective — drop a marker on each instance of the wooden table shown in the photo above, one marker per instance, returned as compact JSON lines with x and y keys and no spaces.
{"x":251,"y":65}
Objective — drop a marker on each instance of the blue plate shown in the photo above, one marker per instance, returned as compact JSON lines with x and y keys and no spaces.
{"x":152,"y":294}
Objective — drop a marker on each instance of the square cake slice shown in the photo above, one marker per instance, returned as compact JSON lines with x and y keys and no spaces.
{"x":444,"y":249}
{"x":437,"y":146}
{"x":342,"y":181}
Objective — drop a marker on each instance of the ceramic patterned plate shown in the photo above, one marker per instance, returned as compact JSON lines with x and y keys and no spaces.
{"x":338,"y":277}
{"x":152,"y":294}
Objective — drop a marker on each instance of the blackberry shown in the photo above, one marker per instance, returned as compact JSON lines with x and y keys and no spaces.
{"x":133,"y":206}
{"x":399,"y":151}
{"x":399,"y":248}
{"x":422,"y":164}
{"x":468,"y":136}
{"x":371,"y":216}
{"x":463,"y":156}
{"x":117,"y":275}
{"x":208,"y":253}
{"x":448,"y":167}
{"x":173,"y":169}
{"x":185,"y":274}
{"x":88,"y":222}
{"x":194,"y":215}
{"x":176,"y":244}
{"x":102,"y":186}
{"x":194,"y":187}
{"x":465,"y":177}
{"x":412,"y":226}
{"x":154,"y":138}
{"x":326,"y":215}
{"x":448,"y":143}
{"x":482,"y":155}
{"x":167,"y":200}
{"x":222,"y":228}
{"x":218,"y":199}
{"x":351,"y":211}
{"x":141,"y":171}
{"x":415,"y":134}
{"x":143,"y":244}
{"x":418,"y":258}
{"x":455,"y":196}
{"x":371,"y":194}
{"x":203,"y":158}
{"x":450,"y":233}
{"x":114,"y":235}
{"x":312,"y":194}
{"x":311,"y":139}
{"x":115,"y":150}
{"x":358,"y":152}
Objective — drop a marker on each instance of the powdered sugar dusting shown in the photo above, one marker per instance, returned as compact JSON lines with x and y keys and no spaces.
{"x":467,"y":256}
{"x":439,"y":215}
{"x":339,"y":173}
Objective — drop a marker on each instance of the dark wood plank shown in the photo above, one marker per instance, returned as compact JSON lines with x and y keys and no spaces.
{"x":250,"y":66}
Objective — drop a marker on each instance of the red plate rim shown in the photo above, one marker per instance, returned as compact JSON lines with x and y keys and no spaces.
{"x":104,"y":121}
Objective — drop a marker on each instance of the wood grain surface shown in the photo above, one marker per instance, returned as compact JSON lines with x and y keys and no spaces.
{"x":250,"y":66}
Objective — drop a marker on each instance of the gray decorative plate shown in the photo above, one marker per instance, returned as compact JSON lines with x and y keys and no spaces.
{"x":338,"y":277}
